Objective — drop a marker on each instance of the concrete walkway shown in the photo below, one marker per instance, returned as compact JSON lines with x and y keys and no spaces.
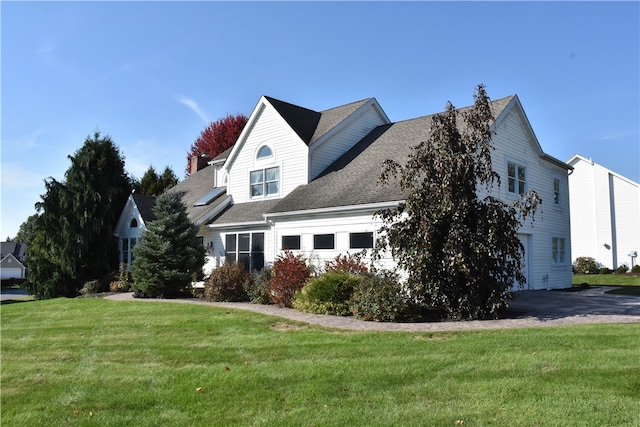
{"x":537,"y":308}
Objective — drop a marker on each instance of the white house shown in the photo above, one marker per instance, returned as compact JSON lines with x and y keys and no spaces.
{"x":605,"y":214}
{"x":12,"y":258}
{"x":307,"y":181}
{"x":136,"y":214}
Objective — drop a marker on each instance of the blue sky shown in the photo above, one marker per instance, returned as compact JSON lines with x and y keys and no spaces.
{"x":153,"y":74}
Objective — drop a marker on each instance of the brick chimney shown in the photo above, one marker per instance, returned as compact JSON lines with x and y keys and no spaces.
{"x":198,"y":162}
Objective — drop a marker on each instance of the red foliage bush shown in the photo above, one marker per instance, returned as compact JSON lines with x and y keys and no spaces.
{"x":290,"y":272}
{"x":350,"y":263}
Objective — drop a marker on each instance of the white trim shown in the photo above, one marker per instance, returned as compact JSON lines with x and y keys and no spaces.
{"x":215,"y":211}
{"x":238,"y":225}
{"x":336,"y":209}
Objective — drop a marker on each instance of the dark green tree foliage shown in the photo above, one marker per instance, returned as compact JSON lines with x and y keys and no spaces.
{"x":27,"y":230}
{"x":461,"y":253}
{"x":77,"y":219}
{"x":169,"y":254}
{"x":154,"y":184}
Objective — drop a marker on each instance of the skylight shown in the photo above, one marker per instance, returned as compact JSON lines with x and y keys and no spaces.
{"x":209,"y":197}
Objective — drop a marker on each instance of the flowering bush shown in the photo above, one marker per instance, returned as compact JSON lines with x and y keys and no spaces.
{"x":290,"y":272}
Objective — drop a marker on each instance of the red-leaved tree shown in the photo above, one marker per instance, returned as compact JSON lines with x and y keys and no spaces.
{"x":217,"y":137}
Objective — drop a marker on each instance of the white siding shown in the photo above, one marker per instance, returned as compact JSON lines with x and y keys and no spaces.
{"x":289,"y":153}
{"x":339,"y":225}
{"x":514,"y":143}
{"x":605,"y":214}
{"x":326,"y":151}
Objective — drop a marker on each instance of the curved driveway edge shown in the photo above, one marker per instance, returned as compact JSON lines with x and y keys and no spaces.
{"x":538,"y":308}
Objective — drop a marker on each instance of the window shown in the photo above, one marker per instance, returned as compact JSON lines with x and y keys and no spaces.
{"x":125,"y":251}
{"x":361,"y":240}
{"x":556,"y":191}
{"x":246,"y":249}
{"x":291,"y":242}
{"x":557,"y":250}
{"x":323,"y":241}
{"x":133,"y":224}
{"x":264,"y":152}
{"x":517,"y":178}
{"x":265,"y":182}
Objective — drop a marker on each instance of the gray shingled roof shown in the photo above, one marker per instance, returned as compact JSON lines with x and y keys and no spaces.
{"x":145,"y":206}
{"x":332,"y":117}
{"x":193,"y":188}
{"x":245,"y":212}
{"x":352,"y":179}
{"x":302,"y":120}
{"x":311,"y":125}
{"x":17,"y":249}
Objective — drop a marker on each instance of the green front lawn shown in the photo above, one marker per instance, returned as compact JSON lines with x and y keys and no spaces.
{"x":98,"y":362}
{"x":630,"y":282}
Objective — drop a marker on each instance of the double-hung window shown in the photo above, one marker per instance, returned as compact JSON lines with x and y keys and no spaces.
{"x":265,"y":182}
{"x":557,"y":250}
{"x":556,"y":191}
{"x":246,"y":249}
{"x":517,"y":175}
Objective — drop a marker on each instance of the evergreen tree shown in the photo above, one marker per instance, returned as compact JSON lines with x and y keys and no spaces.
{"x":154,"y":184}
{"x":169,"y":254}
{"x":461,"y":253}
{"x":77,"y":219}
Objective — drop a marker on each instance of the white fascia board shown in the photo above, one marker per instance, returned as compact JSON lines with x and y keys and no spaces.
{"x":126,"y":209}
{"x":372,"y":103}
{"x":334,"y":210}
{"x":245,"y":132}
{"x":515,"y":103}
{"x":215,"y":211}
{"x":237,"y":225}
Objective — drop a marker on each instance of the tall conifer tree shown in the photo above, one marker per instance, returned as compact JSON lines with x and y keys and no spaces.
{"x":169,"y":253}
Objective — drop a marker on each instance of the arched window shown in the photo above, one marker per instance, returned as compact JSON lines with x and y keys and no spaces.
{"x":264,"y":152}
{"x":134,"y":223}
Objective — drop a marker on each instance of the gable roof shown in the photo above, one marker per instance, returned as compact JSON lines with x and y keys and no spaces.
{"x":353,"y":178}
{"x":8,"y":262}
{"x":145,"y":206}
{"x":302,"y":120}
{"x":17,"y":249}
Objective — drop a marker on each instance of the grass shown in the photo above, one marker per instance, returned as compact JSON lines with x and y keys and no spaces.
{"x":629,"y":283}
{"x":98,"y":362}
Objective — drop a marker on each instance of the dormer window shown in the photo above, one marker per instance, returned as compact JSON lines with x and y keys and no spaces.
{"x":133,"y":224}
{"x":264,"y":152}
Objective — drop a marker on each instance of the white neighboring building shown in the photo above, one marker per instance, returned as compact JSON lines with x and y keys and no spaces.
{"x":306,"y":181}
{"x":605,"y":214}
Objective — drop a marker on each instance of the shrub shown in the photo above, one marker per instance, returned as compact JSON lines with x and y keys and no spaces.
{"x":605,"y":270}
{"x":123,"y":282}
{"x":350,"y":263}
{"x":379,"y":297}
{"x":226,"y":283}
{"x":290,"y":272}
{"x":91,"y":287}
{"x":635,"y":269}
{"x":622,"y":269}
{"x":257,"y":286}
{"x":327,"y":294}
{"x":586,"y":265}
